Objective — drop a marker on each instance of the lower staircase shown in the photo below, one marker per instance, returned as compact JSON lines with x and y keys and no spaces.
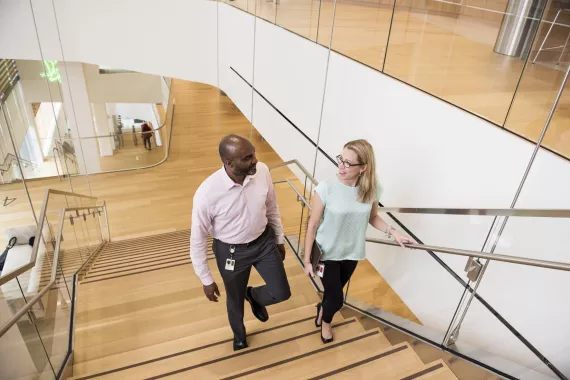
{"x":141,"y":314}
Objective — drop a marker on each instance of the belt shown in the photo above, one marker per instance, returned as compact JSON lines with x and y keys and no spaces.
{"x":253,"y":242}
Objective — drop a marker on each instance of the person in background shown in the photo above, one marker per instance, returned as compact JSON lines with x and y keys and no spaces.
{"x":121,"y":142}
{"x":238,"y":207}
{"x":147,"y":134}
{"x":343,"y":206}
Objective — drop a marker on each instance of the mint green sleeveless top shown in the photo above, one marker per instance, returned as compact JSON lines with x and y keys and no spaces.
{"x":342,"y":232}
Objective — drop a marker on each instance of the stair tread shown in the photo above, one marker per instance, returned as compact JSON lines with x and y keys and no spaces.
{"x":372,"y":363}
{"x":118,"y":334}
{"x":224,"y":360}
{"x":437,"y":370}
{"x":287,"y":322}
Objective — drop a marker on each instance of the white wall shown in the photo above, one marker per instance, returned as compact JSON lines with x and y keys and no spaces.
{"x":236,"y":50}
{"x":102,"y":88}
{"x":435,"y":156}
{"x":135,"y":111}
{"x":17,"y":24}
{"x":290,"y":73}
{"x":122,"y":87}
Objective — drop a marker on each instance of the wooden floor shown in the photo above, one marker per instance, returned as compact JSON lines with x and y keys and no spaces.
{"x":445,"y":54}
{"x":159,"y":325}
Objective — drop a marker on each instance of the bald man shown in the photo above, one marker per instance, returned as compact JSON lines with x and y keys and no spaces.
{"x":238,"y":207}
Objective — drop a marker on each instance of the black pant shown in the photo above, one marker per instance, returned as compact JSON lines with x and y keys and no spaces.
{"x":337,"y":274}
{"x":147,"y":140}
{"x":264,"y":256}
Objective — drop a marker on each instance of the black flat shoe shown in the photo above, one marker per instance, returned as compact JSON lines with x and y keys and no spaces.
{"x":240,"y":344}
{"x":258,"y":310}
{"x":319,"y":305}
{"x":325,"y":341}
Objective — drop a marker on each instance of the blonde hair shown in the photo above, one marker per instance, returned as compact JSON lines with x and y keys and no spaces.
{"x":368,"y":181}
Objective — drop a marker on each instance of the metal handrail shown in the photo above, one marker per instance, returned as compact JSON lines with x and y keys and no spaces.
{"x":557,"y":265}
{"x":453,"y":251}
{"x":521,"y":212}
{"x":531,"y":213}
{"x":16,"y":272}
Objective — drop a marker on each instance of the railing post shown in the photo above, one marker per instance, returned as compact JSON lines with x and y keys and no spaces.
{"x":106,"y":220}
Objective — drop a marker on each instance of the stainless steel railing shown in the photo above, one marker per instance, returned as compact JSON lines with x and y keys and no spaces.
{"x":536,"y":213}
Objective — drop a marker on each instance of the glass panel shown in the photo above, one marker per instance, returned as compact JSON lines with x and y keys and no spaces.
{"x":267,"y":10}
{"x":467,"y":54}
{"x":299,"y":16}
{"x":400,"y":286}
{"x":541,"y":82}
{"x":22,"y":354}
{"x":245,"y":5}
{"x":11,"y":300}
{"x":361,"y":30}
{"x":294,"y":215}
{"x":16,"y":214}
{"x":52,"y":322}
{"x":324,"y":26}
{"x":486,"y":339}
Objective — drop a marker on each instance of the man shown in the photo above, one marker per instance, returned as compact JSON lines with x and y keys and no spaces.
{"x":238,"y":207}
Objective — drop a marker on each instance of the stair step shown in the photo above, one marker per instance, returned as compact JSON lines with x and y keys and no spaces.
{"x":110,"y":335}
{"x":132,"y":269}
{"x":148,"y":235}
{"x":216,"y":364}
{"x":188,"y":302}
{"x":141,"y":255}
{"x":436,"y":370}
{"x":371,"y":363}
{"x":287,"y":322}
{"x":132,"y":249}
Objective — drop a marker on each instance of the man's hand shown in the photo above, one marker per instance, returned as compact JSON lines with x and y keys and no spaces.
{"x":281,"y":248}
{"x":211,"y":291}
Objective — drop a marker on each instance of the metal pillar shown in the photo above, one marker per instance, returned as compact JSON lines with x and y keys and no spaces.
{"x":520,"y":24}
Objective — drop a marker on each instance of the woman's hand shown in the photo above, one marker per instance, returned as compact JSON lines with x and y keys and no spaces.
{"x":309,"y":270}
{"x":401,"y":239}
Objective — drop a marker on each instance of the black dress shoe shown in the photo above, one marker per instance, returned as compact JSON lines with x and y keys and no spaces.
{"x":240,"y":344}
{"x":258,"y":310}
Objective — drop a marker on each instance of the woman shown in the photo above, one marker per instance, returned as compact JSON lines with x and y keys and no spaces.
{"x":345,"y":203}
{"x":147,"y":134}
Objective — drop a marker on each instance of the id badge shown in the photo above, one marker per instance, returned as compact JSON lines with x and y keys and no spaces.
{"x":230,"y":264}
{"x":320,"y":270}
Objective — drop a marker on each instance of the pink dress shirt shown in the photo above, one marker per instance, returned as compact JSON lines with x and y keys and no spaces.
{"x":232,"y":213}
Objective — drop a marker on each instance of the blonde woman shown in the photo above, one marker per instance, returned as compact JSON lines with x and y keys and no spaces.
{"x":343,"y":206}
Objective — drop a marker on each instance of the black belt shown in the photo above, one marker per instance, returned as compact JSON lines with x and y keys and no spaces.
{"x":253,"y":242}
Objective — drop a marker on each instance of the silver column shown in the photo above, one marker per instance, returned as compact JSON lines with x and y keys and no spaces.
{"x":519,"y":27}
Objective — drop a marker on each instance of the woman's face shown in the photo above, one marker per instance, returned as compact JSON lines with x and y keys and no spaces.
{"x":348,"y":165}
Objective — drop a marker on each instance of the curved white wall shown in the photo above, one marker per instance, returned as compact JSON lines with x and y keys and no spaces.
{"x":430,"y":154}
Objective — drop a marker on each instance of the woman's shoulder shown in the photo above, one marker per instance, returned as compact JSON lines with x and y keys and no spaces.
{"x":327,"y":183}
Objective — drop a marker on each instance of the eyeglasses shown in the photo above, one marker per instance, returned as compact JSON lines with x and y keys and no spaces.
{"x":347,"y":165}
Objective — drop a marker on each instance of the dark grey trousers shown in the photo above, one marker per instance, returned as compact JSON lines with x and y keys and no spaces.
{"x":264,"y":256}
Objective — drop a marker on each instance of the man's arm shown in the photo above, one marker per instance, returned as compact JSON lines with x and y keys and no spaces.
{"x":273,"y":216}
{"x":201,"y":222}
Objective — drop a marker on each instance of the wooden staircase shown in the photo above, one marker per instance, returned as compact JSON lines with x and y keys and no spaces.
{"x":141,"y":314}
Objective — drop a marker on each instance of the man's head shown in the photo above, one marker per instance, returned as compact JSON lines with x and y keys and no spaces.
{"x":238,"y":155}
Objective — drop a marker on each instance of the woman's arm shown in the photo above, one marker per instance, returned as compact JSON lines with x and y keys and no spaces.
{"x":314,"y":221}
{"x":377,"y":222}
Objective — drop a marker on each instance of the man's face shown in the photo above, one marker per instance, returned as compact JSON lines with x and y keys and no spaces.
{"x":243,"y":161}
